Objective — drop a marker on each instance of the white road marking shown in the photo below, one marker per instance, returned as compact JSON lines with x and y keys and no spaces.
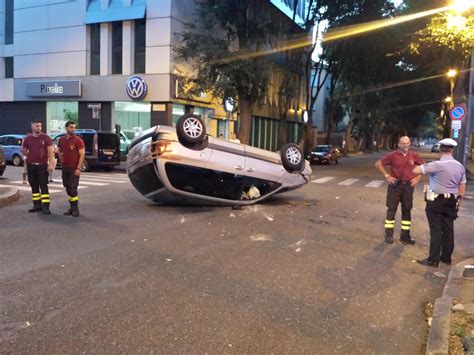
{"x":82,"y":182}
{"x":323,"y":180}
{"x":27,"y":188}
{"x":87,"y":178}
{"x":348,"y":182}
{"x":375,"y":183}
{"x":106,"y":177}
{"x":49,"y":184}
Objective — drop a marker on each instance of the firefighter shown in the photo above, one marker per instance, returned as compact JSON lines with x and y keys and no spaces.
{"x":71,"y":152}
{"x":443,"y":199}
{"x":401,"y":184}
{"x":38,"y":149}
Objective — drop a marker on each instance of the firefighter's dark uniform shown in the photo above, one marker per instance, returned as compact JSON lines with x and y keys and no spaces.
{"x":70,"y":146}
{"x":400,"y":192}
{"x":37,"y":168}
{"x":446,"y":176}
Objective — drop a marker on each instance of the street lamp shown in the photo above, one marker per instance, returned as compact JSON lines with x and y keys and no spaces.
{"x":460,"y":6}
{"x":448,"y":99}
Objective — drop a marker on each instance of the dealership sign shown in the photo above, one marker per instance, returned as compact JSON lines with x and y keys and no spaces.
{"x":136,"y":88}
{"x":60,"y":88}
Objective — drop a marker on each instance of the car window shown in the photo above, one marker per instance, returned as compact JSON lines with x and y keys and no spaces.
{"x":322,"y":149}
{"x":11,"y":141}
{"x":108,"y":140}
{"x":205,"y":182}
{"x":2,"y":139}
{"x":129,"y":134}
{"x":18,"y":141}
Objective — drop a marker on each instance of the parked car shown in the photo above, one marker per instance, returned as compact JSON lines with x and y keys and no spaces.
{"x":13,"y":148}
{"x":102,"y":148}
{"x":126,"y":138}
{"x":324,"y":154}
{"x":3,"y":163}
{"x":435,"y":148}
{"x":183,"y":164}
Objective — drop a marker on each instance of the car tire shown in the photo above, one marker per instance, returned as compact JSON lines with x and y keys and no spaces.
{"x":108,"y":168}
{"x":292,"y":157}
{"x":337,"y":161}
{"x":85,"y":166}
{"x":17,"y":161}
{"x":191,"y":130}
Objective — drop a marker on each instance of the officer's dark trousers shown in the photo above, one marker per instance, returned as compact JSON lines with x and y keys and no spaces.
{"x":71,"y":182}
{"x":38,"y":179}
{"x":441,"y":214}
{"x":403,"y":194}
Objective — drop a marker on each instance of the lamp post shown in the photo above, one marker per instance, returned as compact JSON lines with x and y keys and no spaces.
{"x":451,"y":74}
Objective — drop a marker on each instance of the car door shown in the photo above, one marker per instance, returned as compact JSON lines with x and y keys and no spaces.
{"x":263,"y":170}
{"x":220,"y":177}
{"x":9,"y":147}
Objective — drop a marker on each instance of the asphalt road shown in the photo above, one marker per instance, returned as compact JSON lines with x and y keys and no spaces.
{"x":306,"y":272}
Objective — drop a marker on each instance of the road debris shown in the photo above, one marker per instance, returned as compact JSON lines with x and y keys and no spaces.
{"x":440,"y":274}
{"x":169,"y":259}
{"x":231,"y":215}
{"x":261,"y":238}
{"x":184,"y":219}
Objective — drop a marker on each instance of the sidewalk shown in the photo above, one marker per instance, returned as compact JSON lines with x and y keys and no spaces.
{"x":452,"y":328}
{"x":8,"y":195}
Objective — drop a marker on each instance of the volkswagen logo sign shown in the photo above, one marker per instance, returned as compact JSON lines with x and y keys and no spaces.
{"x":136,"y":88}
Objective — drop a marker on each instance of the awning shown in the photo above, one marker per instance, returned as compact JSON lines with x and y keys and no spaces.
{"x":115,"y":12}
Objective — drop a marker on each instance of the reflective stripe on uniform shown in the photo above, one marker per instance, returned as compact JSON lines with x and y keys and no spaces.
{"x":73,"y":199}
{"x":36,"y":197}
{"x":406,"y":228}
{"x":389,"y":224}
{"x":45,"y":196}
{"x":406,"y":223}
{"x":45,"y":201}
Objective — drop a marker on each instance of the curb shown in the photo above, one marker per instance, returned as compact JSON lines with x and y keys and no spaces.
{"x":10,"y":195}
{"x":438,"y":338}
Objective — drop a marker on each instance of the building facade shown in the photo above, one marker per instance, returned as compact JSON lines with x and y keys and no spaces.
{"x":104,"y":63}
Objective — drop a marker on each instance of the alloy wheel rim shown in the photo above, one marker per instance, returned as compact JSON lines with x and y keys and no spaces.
{"x":193,"y":127}
{"x":293,"y":155}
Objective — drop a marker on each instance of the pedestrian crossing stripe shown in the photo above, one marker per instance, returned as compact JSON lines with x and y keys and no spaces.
{"x":27,"y":188}
{"x":348,"y":182}
{"x":94,"y":179}
{"x":105,"y":177}
{"x":323,"y":180}
{"x":375,"y":183}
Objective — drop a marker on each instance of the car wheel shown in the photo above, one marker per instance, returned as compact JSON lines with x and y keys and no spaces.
{"x":108,"y":168}
{"x":17,"y":161}
{"x":337,"y":160}
{"x":191,"y":130}
{"x":292,"y":157}
{"x":85,"y":166}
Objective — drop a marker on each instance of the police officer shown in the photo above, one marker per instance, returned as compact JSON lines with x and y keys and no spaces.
{"x":71,"y":152}
{"x":401,"y":183}
{"x":38,"y":149}
{"x":445,"y":194}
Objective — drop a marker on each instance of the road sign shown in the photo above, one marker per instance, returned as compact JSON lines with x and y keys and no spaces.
{"x":458,"y":112}
{"x":456,"y":124}
{"x":455,"y":133}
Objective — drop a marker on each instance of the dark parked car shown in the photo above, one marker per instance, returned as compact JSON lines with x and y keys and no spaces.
{"x":3,"y":164}
{"x":435,"y":148}
{"x":102,"y":148}
{"x":13,"y":148}
{"x":324,"y":154}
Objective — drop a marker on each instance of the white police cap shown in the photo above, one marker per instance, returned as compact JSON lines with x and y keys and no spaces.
{"x":448,"y":142}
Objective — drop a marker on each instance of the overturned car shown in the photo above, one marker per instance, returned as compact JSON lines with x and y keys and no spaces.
{"x":184,"y":165}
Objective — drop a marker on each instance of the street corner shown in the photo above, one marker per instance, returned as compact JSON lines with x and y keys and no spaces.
{"x":8,"y":195}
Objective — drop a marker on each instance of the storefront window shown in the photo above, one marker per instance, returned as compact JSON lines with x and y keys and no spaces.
{"x":133,"y":117}
{"x":58,"y":113}
{"x":178,"y":111}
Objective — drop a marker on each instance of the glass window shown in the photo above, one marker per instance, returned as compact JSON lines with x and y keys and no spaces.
{"x":133,"y":117}
{"x":140,"y":45}
{"x":9,"y":21}
{"x":8,"y":67}
{"x":117,"y":47}
{"x":58,"y":113}
{"x":205,"y":182}
{"x":178,"y":111}
{"x":95,"y":49}
{"x":145,"y":179}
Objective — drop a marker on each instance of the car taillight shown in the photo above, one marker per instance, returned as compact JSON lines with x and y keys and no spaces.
{"x":158,"y":148}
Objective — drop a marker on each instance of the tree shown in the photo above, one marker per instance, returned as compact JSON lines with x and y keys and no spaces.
{"x":221,"y":43}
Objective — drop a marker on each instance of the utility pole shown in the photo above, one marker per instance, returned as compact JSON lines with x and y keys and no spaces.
{"x":465,"y":132}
